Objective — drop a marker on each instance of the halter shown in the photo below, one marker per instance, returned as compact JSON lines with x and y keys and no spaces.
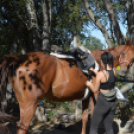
{"x":124,"y":61}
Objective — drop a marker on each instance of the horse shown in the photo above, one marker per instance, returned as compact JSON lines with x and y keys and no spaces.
{"x":116,"y":52}
{"x":126,"y":60}
{"x":37,"y":74}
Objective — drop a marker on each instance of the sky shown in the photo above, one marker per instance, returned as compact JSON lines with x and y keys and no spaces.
{"x":98,"y":34}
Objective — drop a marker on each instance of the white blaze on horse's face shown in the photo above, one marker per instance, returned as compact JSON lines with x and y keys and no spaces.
{"x":125,"y":60}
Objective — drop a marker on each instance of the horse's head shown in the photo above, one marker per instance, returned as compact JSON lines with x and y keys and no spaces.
{"x":126,"y":58}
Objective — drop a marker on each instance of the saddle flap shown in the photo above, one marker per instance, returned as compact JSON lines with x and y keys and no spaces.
{"x":86,"y":63}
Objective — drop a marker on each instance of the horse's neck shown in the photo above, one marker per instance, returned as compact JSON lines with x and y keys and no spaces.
{"x":115,"y":52}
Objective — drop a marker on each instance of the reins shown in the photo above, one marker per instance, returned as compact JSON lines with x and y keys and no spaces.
{"x":128,"y":84}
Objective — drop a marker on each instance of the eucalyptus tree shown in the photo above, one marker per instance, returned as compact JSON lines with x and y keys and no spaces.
{"x":107,"y":16}
{"x":92,"y":43}
{"x":36,"y":24}
{"x":40,"y":33}
{"x":68,"y":20}
{"x":27,"y":22}
{"x":15,"y":35}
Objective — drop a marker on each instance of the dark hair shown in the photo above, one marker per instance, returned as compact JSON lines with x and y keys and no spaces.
{"x":107,"y":58}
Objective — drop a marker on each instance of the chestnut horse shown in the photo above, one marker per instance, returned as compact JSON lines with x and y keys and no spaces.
{"x":126,"y":59}
{"x":37,"y":75}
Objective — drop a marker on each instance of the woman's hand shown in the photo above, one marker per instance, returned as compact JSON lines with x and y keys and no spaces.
{"x":91,"y":69}
{"x":88,"y":83}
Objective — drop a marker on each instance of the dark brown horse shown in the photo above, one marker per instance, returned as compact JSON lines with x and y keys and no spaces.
{"x":37,"y":75}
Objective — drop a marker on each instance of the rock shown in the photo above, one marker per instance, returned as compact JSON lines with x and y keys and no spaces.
{"x":47,"y":110}
{"x":40,"y":115}
{"x":65,"y":118}
{"x":71,"y":118}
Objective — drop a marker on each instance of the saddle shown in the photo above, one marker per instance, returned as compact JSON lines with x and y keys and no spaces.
{"x":83,"y":59}
{"x":80,"y":55}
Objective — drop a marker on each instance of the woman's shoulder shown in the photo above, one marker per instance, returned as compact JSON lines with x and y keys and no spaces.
{"x":101,"y":73}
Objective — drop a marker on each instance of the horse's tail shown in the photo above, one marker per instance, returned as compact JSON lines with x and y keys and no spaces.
{"x":4,"y":64}
{"x":7,"y":118}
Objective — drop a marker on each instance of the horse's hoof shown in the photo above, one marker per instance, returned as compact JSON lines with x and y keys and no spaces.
{"x":21,"y":131}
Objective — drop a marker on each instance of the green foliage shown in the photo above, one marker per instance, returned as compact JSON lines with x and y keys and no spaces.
{"x":68,"y":19}
{"x":50,"y":114}
{"x":66,"y":106}
{"x":125,"y":110}
{"x":131,"y":102}
{"x":13,"y":25}
{"x":119,"y":84}
{"x":92,"y":43}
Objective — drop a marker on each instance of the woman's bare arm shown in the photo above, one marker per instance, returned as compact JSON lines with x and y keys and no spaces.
{"x":95,"y":88}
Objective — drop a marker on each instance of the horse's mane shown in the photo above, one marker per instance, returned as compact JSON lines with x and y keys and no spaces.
{"x":109,"y":49}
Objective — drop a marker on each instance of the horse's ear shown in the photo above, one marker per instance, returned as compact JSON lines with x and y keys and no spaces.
{"x":128,"y":42}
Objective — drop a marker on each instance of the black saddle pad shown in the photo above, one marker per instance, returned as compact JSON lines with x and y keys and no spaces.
{"x":86,"y":63}
{"x":77,"y":53}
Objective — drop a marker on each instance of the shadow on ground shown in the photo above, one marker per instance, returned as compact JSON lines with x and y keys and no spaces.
{"x":60,"y":128}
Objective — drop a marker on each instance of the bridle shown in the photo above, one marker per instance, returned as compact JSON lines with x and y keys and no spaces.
{"x":124,"y":61}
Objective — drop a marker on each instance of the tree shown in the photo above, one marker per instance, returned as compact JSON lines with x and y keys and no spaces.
{"x":130,"y":19}
{"x":106,"y":15}
{"x":44,"y":37}
{"x":68,"y":20}
{"x":35,"y":25}
{"x":92,"y":43}
{"x":26,"y":24}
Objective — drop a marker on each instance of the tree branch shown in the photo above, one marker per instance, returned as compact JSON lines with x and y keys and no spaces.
{"x":98,"y":23}
{"x":117,"y":32}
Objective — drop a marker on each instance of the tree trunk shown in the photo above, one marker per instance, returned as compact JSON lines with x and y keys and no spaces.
{"x":117,"y":32}
{"x":77,"y":41}
{"x":130,"y":21}
{"x":98,"y":23}
{"x":13,"y":48}
{"x":46,"y":8}
{"x":33,"y":23}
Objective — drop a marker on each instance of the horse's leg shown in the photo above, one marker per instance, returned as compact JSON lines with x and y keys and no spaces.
{"x":85,"y":104}
{"x":92,"y":100}
{"x":28,"y":100}
{"x":92,"y":104}
{"x":26,"y":114}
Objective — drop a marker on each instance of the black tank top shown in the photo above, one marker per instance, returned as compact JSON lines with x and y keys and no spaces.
{"x":110,"y":82}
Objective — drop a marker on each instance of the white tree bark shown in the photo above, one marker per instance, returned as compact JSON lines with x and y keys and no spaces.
{"x":117,"y":32}
{"x":98,"y":23}
{"x":77,"y":41}
{"x":33,"y":24}
{"x":46,"y":8}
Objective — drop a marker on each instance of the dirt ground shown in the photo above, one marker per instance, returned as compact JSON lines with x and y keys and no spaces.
{"x":53,"y":128}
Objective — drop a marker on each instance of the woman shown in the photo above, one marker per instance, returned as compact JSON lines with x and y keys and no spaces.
{"x":104,"y":94}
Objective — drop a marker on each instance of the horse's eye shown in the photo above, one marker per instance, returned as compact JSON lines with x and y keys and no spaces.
{"x":123,"y":54}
